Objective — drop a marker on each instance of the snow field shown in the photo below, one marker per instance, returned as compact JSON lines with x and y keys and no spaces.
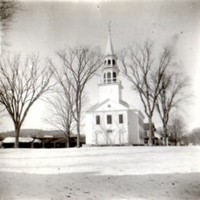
{"x":102,"y":160}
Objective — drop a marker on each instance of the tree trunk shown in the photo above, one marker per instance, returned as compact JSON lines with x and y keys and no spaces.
{"x":165,"y":134}
{"x":17,"y":132}
{"x":78,"y":131}
{"x":150,"y":132}
{"x":78,"y":136}
{"x":68,"y":145}
{"x":175,"y":138}
{"x":68,"y":139}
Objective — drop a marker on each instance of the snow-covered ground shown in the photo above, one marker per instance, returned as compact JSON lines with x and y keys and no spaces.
{"x":103,"y":173}
{"x":102,"y":160}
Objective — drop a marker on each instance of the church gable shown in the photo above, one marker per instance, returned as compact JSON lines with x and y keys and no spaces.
{"x":109,"y":105}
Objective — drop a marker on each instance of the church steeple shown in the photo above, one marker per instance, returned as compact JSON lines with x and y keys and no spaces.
{"x":110,"y":69}
{"x":109,"y":50}
{"x":110,"y":87}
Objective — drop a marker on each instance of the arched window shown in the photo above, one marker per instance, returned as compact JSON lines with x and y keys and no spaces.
{"x":114,"y":77}
{"x":113,"y":62}
{"x":109,"y":62}
{"x":109,"y":77}
{"x":105,"y":62}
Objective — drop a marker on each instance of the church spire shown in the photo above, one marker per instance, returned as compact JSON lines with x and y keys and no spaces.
{"x":109,"y":49}
{"x":110,"y":68}
{"x":110,"y":86}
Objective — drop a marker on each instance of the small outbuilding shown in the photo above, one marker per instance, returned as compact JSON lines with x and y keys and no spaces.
{"x":24,"y":142}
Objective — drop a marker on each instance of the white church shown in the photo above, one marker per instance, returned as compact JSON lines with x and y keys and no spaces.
{"x":112,"y":121}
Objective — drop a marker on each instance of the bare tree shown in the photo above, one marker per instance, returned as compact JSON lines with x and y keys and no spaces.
{"x":177,"y":128}
{"x":79,"y":66}
{"x":172,"y":94}
{"x":193,"y":137}
{"x":8,"y":8}
{"x":62,"y":108}
{"x":145,"y":72}
{"x":21,"y":85}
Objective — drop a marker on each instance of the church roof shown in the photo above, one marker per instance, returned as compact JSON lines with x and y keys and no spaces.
{"x":122,"y":104}
{"x":95,"y":106}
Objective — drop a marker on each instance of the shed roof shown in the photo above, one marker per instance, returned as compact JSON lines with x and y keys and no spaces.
{"x":21,"y":139}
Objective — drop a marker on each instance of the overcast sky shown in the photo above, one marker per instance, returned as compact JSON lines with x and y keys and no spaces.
{"x":47,"y":26}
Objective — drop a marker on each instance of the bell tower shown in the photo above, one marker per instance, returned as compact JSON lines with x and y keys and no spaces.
{"x":110,"y":86}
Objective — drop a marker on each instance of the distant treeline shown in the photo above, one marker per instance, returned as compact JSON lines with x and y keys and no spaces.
{"x":33,"y":133}
{"x":193,"y":137}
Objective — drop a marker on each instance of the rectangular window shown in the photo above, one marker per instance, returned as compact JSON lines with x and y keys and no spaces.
{"x":98,"y":119}
{"x":109,"y":119}
{"x":121,"y":120}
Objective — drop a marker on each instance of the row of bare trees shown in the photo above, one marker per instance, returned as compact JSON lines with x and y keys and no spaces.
{"x":156,"y":81}
{"x":78,"y":66}
{"x":22,"y":83}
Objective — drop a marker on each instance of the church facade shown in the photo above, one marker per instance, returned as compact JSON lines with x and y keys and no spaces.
{"x":111,"y":121}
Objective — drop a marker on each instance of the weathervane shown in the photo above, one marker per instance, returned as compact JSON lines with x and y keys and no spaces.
{"x":109,"y":27}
